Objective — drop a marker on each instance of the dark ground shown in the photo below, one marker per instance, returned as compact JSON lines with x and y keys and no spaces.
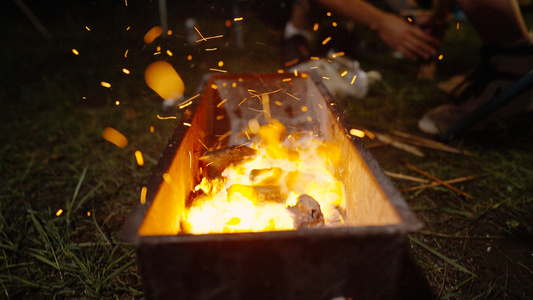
{"x":53,"y":156}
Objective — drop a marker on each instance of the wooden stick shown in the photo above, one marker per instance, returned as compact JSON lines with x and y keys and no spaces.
{"x":402,"y":146}
{"x":423,"y":142}
{"x":456,"y":180}
{"x":403,"y":176}
{"x":451,"y":187}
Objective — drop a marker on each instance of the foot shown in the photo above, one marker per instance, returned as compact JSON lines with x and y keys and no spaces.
{"x":500,"y":70}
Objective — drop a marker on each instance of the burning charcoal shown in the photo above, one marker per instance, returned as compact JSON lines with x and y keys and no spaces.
{"x":307,"y":213}
{"x":268,"y":176}
{"x":258,"y":194}
{"x":218,"y":160}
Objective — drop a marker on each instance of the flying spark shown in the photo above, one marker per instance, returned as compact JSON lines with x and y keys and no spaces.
{"x":357,"y":132}
{"x":222,"y":102}
{"x":441,"y":57}
{"x":152,"y":34}
{"x":326,"y":40}
{"x":87,"y":27}
{"x":117,"y":102}
{"x":126,"y":53}
{"x":186,"y":124}
{"x":143,"y":194}
{"x":166,"y":118}
{"x":126,"y":71}
{"x":59,"y":212}
{"x":218,"y":70}
{"x":75,"y":52}
{"x":152,"y":129}
{"x":344,"y":73}
{"x":334,"y":24}
{"x":115,"y":137}
{"x":139,"y":158}
{"x":353,"y":79}
{"x":105,"y":84}
{"x":237,"y":19}
{"x":315,"y":27}
{"x":291,"y":95}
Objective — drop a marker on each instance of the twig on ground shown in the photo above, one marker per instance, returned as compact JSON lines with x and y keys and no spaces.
{"x":456,"y":180}
{"x":451,"y":187}
{"x":406,"y":177}
{"x":400,"y":145}
{"x":423,"y":142}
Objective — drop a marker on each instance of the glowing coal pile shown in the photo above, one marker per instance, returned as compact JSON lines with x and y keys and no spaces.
{"x":278,"y":182}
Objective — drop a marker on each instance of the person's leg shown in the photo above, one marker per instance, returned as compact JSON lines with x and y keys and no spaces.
{"x":498,"y":22}
{"x":298,"y":34}
{"x":507,"y":55}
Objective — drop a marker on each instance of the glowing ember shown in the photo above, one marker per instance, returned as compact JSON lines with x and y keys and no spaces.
{"x":152,"y":34}
{"x":113,"y":136}
{"x":164,"y":80}
{"x":279,"y":182}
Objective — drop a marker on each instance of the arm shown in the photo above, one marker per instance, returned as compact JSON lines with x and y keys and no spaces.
{"x":412,"y":41}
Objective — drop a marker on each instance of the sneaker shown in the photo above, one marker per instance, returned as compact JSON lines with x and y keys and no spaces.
{"x":295,"y":50}
{"x":500,"y":69}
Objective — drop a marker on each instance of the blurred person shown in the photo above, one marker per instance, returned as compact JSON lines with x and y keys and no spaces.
{"x":507,"y":52}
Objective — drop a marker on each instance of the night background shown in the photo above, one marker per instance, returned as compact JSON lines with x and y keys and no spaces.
{"x":66,"y":192}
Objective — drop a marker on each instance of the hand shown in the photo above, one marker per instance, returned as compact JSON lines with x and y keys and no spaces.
{"x":435,"y":26}
{"x":410,"y":40}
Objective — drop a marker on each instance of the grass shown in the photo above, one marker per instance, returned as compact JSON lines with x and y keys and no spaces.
{"x":53,"y":156}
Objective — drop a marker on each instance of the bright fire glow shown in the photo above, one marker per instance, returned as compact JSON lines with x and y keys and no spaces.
{"x":115,"y":137}
{"x":256,"y":194}
{"x":152,"y":34}
{"x":164,"y":80}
